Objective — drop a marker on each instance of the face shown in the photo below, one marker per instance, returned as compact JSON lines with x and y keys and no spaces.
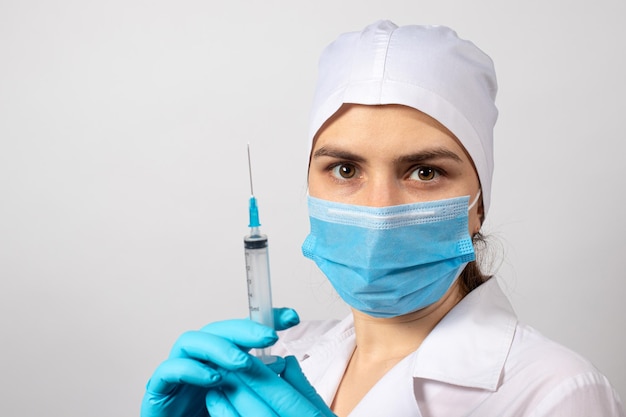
{"x":389,"y":155}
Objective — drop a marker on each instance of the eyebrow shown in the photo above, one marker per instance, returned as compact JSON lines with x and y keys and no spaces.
{"x":414,"y":158}
{"x":429,"y":154}
{"x":337,"y":154}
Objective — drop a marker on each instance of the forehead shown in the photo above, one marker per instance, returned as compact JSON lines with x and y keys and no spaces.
{"x":385,"y":128}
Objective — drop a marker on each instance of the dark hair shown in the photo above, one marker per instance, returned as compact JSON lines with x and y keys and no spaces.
{"x":472,"y":277}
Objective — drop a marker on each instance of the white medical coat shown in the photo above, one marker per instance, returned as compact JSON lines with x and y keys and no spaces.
{"x":478,"y":361}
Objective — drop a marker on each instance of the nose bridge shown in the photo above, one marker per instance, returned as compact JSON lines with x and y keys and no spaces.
{"x":383,"y":190}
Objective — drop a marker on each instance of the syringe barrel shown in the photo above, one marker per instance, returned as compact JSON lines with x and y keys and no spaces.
{"x":258,"y":276}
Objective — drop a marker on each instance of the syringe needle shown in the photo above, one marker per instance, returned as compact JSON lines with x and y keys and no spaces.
{"x":253,"y":209}
{"x":250,"y":171}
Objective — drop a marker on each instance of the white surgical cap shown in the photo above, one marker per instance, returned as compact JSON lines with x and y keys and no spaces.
{"x":428,"y":68}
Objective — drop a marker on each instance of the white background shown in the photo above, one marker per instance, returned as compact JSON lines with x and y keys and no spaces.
{"x":123,"y":176}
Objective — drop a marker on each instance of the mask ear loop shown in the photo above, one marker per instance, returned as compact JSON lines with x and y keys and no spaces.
{"x":471,"y":206}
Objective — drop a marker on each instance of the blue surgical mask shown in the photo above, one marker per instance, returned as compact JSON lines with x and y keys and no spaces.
{"x":390,"y":261}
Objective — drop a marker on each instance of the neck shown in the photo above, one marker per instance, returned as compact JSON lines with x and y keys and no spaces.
{"x":394,"y":338}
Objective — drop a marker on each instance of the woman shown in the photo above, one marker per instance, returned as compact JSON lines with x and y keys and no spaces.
{"x":399,"y":184}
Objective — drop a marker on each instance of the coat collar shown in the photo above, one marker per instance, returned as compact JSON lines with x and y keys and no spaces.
{"x":470,"y":344}
{"x":468,"y":347}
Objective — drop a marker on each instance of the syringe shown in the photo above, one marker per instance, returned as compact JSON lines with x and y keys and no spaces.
{"x":258,"y":271}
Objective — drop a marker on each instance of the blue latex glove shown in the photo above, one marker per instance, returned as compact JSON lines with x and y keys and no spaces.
{"x":258,"y":391}
{"x":199,"y":359}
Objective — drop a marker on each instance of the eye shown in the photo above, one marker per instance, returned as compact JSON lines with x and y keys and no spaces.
{"x":425,"y":173}
{"x":344,"y":171}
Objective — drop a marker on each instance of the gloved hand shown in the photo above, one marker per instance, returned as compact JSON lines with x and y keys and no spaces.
{"x":199,"y":358}
{"x":258,"y":391}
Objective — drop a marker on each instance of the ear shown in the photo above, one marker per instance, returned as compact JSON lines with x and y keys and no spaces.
{"x":480,"y":212}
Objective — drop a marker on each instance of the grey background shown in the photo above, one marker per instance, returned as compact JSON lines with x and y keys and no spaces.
{"x":123,"y":178}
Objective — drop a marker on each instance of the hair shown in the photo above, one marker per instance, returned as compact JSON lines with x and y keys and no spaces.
{"x":472,"y":277}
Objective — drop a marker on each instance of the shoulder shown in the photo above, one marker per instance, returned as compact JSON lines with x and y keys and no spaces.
{"x":531,"y":349}
{"x":533,"y":354}
{"x":554,"y":380}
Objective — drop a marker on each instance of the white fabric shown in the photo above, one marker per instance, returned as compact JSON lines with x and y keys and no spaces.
{"x":478,"y":361}
{"x":428,"y":68}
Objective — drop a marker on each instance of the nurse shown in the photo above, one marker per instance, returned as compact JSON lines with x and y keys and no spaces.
{"x":400,"y":171}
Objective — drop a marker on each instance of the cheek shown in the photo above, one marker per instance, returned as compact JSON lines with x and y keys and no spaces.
{"x":318,"y":191}
{"x":314,"y":184}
